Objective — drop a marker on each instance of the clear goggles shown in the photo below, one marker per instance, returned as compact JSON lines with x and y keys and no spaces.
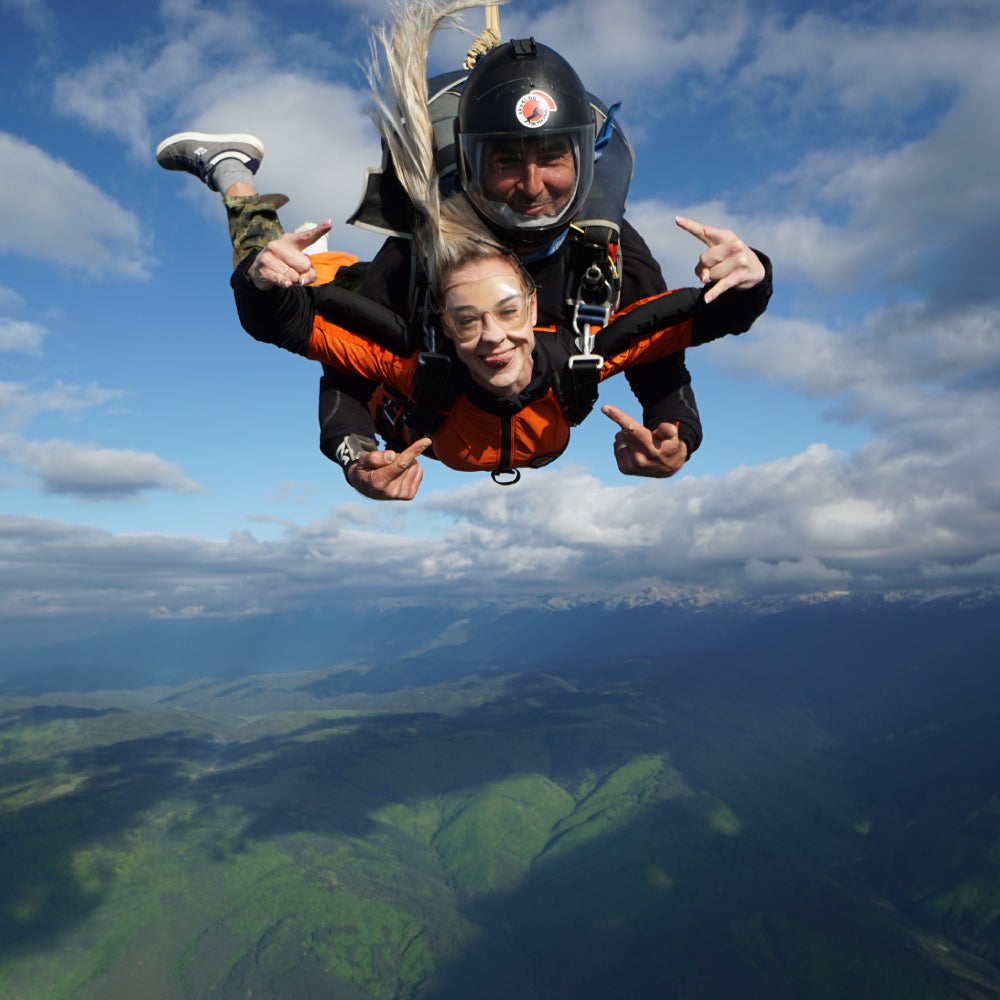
{"x":480,"y":152}
{"x":503,"y":300}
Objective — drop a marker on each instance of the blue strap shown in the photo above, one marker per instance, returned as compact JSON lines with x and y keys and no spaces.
{"x":604,"y":136}
{"x":538,"y":255}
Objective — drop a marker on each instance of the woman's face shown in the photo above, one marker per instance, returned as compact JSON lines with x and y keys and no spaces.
{"x":490,"y":315}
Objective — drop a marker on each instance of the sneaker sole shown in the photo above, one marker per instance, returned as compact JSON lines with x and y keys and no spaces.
{"x":242,"y":138}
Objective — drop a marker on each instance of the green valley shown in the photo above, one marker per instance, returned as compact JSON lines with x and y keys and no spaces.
{"x":701,"y":830}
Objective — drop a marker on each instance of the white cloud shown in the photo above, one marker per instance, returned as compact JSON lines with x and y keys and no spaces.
{"x":20,"y":335}
{"x":322,"y":168}
{"x":204,"y":48}
{"x":197,"y":76}
{"x":863,"y":65}
{"x":42,"y":197}
{"x":35,"y":14}
{"x":799,"y":246}
{"x":895,"y":187}
{"x":817,"y":521}
{"x":917,"y":212}
{"x":20,"y":403}
{"x":646,"y":46}
{"x":91,"y":473}
{"x":906,"y":362}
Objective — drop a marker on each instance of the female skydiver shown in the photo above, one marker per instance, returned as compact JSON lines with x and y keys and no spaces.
{"x":502,"y":408}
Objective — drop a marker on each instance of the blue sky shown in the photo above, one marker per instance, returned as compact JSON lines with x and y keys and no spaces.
{"x":154,"y":461}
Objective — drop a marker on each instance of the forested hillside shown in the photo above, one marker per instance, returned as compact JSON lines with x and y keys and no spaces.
{"x":711,"y":825}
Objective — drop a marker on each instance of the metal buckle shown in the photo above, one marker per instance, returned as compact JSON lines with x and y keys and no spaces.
{"x":581,"y":360}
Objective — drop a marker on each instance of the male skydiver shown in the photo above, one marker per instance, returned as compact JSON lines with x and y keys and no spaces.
{"x":525,"y":137}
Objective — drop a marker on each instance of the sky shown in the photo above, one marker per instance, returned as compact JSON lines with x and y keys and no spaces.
{"x":157,"y":463}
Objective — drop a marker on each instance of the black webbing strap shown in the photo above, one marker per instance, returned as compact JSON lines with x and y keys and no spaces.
{"x":433,"y":396}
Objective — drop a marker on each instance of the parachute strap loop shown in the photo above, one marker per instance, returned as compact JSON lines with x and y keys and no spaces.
{"x":514,"y":474}
{"x":488,"y":38}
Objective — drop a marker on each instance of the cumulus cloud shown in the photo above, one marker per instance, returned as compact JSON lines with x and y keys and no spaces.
{"x":861,"y":65}
{"x":41,"y":196}
{"x":34,"y":13}
{"x":118,"y":90}
{"x":814,"y":522}
{"x":322,"y":168}
{"x":20,"y":335}
{"x":91,"y":473}
{"x":916,"y":210}
{"x":906,"y":365}
{"x":895,"y":190}
{"x":20,"y":403}
{"x":646,"y":46}
{"x":142,"y":92}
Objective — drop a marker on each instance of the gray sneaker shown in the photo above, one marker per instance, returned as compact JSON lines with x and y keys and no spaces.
{"x":199,"y":153}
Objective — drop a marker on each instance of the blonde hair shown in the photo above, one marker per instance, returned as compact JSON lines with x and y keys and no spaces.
{"x":448,"y":233}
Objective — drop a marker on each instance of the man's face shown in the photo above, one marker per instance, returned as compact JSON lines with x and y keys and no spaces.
{"x":533,"y":177}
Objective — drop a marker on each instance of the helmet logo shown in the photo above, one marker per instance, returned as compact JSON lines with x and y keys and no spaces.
{"x":533,"y":109}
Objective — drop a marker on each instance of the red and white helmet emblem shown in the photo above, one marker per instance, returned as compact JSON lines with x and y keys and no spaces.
{"x":533,"y":109}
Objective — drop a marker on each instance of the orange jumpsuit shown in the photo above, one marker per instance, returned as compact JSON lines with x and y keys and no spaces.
{"x":480,"y":431}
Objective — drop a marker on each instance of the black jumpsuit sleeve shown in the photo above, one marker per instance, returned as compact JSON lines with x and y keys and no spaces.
{"x":343,"y":399}
{"x":343,"y":409}
{"x":663,"y":388}
{"x":283,"y":317}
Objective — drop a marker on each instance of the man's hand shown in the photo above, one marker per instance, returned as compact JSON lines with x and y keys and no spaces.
{"x":639,"y":451}
{"x":282,"y":261}
{"x":384,"y":475}
{"x":728,"y":261}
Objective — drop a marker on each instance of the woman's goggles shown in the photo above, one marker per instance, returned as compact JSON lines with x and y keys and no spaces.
{"x":501,"y":300}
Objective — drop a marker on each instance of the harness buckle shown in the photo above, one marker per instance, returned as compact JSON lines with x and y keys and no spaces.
{"x":586,"y":316}
{"x":595,"y":361}
{"x":591,"y":308}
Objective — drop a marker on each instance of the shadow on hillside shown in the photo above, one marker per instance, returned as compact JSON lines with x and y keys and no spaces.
{"x":37,"y":714}
{"x":111,"y":785}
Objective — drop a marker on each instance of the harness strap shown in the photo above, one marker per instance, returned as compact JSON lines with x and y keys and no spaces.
{"x":433,"y":394}
{"x":593,"y":258}
{"x":434,"y":388}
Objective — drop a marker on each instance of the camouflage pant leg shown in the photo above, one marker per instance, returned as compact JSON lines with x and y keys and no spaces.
{"x":253,"y":222}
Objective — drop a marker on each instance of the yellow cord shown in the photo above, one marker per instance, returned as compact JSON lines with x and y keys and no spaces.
{"x":488,"y":39}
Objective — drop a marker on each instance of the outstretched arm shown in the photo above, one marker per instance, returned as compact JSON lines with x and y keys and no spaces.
{"x":663,"y":387}
{"x":672,"y":428}
{"x":378,"y":475}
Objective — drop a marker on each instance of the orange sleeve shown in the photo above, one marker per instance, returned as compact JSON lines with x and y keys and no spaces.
{"x":328,"y":264}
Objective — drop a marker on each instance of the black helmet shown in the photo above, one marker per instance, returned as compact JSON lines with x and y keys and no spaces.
{"x":524,"y":100}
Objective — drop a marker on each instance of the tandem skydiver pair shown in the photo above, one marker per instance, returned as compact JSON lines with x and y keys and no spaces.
{"x":527,"y":294}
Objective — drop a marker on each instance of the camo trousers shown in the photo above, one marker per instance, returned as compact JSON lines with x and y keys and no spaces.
{"x":253,"y":222}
